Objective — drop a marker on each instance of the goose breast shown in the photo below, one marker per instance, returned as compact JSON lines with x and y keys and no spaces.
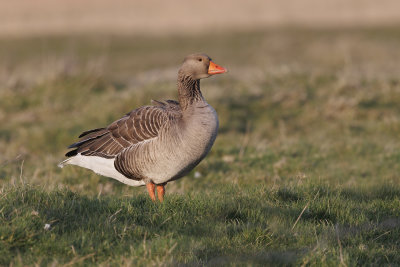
{"x":181,"y":146}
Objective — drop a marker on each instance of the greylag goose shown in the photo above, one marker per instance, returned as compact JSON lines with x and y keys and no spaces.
{"x":153,"y":145}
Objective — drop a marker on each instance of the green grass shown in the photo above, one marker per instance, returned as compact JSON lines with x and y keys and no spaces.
{"x":304,"y":170}
{"x":231,"y":225}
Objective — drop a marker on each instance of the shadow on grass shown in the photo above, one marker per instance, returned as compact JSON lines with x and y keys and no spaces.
{"x":282,"y":258}
{"x":229,"y":225}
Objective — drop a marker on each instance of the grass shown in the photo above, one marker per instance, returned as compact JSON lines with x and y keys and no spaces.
{"x":304,"y":170}
{"x":226,"y":226}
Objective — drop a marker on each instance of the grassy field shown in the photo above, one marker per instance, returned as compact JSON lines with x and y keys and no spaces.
{"x":304,"y":171}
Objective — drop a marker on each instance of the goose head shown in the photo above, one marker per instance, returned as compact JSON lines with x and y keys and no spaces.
{"x":199,"y":66}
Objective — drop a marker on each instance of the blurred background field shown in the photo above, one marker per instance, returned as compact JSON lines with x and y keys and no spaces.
{"x":309,"y":118}
{"x":296,"y":105}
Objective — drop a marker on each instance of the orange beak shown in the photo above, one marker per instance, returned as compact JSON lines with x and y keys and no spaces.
{"x":215,"y":69}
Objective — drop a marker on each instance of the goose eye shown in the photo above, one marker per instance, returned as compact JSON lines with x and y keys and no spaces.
{"x":200,"y":59}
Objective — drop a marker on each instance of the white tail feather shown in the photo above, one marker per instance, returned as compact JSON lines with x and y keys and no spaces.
{"x":100,"y":166}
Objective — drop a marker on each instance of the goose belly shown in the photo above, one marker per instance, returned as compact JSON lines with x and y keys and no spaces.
{"x":184,"y":150}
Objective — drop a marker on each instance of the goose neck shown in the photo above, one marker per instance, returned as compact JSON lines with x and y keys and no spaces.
{"x":188,"y":91}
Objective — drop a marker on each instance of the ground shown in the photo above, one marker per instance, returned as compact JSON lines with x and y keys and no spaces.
{"x":304,"y":169}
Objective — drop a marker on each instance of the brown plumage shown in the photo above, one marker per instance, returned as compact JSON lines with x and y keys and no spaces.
{"x":137,"y":126}
{"x":155,"y":144}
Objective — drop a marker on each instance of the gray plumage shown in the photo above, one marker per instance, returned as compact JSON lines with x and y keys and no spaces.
{"x":156,"y":143}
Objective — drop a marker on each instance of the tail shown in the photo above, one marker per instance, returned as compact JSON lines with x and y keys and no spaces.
{"x":63,"y":163}
{"x":87,"y":138}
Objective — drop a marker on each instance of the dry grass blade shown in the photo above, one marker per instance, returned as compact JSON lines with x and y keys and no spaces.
{"x":340,"y":247}
{"x":305,"y":207}
{"x":385,"y":233}
{"x":301,"y":213}
{"x":78,"y":259}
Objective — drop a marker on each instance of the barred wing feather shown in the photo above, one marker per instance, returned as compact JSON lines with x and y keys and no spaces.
{"x":137,"y":126}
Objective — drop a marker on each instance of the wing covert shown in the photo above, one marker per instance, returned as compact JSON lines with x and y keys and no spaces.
{"x":137,"y":126}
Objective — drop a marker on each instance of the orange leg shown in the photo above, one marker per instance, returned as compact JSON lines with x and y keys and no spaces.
{"x":151,"y":189}
{"x":160,"y":192}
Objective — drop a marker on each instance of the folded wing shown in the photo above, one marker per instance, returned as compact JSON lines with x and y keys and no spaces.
{"x":138,"y":126}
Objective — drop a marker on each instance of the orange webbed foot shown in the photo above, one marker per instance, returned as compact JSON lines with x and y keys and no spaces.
{"x":151,"y":189}
{"x":160,"y":192}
